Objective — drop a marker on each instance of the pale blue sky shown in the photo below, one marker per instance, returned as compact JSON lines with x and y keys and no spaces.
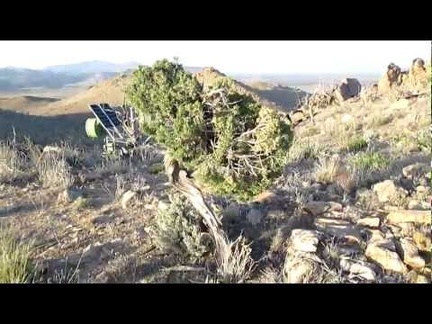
{"x":227,"y":56}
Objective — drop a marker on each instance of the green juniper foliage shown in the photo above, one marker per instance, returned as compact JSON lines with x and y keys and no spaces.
{"x":235,"y":145}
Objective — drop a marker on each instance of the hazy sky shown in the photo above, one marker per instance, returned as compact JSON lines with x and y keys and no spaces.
{"x":227,"y":56}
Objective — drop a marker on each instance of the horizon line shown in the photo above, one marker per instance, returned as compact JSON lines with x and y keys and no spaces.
{"x":262,"y":73}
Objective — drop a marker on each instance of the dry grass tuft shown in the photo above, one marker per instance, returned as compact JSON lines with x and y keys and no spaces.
{"x":12,"y":163}
{"x":15,"y":264}
{"x":305,"y":150}
{"x":234,"y":263}
{"x":327,"y":169}
{"x":54,"y":171}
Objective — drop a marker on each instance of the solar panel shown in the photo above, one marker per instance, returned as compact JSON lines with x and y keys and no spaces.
{"x":106,"y":115}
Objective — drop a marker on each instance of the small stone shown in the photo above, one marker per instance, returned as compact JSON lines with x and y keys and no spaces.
{"x":410,"y":253}
{"x":422,"y":240}
{"x":299,"y":221}
{"x":126,"y":198}
{"x":415,"y":205}
{"x":339,"y":228}
{"x":407,"y":229}
{"x":409,"y":216}
{"x":359,"y":268}
{"x":415,"y":170}
{"x":396,"y":230}
{"x":422,"y":279}
{"x":422,"y":189}
{"x":101,"y":278}
{"x":389,"y":260}
{"x":102,"y":220}
{"x":255,"y":216}
{"x":321,"y":207}
{"x":388,"y":191}
{"x":304,"y":240}
{"x":298,"y":268}
{"x":163,"y":204}
{"x":369,"y":222}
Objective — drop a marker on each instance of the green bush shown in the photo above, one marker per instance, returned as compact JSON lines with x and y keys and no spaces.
{"x":370,"y":161}
{"x":356,"y":144}
{"x":234,"y":144}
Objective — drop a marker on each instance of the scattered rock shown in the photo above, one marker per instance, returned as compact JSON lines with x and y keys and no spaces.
{"x":358,"y":268}
{"x":422,"y":279}
{"x":349,"y":250}
{"x":348,"y":88}
{"x":163,"y":204}
{"x":409,"y":216}
{"x":52,"y":149}
{"x":415,"y":205}
{"x":407,"y":229}
{"x":102,"y":220}
{"x":299,"y":269}
{"x":422,"y":189}
{"x":102,"y":277}
{"x":369,"y":222}
{"x":304,"y":240}
{"x":353,"y":214}
{"x":127,"y":197}
{"x":414,"y":170}
{"x":339,"y":228}
{"x":299,"y":221}
{"x":255,"y":216}
{"x":69,"y":195}
{"x":422,"y":240}
{"x":322,"y":207}
{"x":410,"y":254}
{"x":387,"y":191}
{"x":395,"y":230}
{"x":384,"y":253}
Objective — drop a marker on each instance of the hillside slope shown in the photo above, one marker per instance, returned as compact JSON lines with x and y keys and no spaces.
{"x":112,"y":92}
{"x":25,"y":104}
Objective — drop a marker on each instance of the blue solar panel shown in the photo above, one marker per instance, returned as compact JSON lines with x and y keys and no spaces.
{"x":105,"y":114}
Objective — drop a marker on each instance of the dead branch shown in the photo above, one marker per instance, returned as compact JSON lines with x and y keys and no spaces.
{"x":233,"y":258}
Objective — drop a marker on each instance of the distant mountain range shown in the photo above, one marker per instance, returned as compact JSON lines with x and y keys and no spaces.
{"x":91,"y":72}
{"x":58,"y":76}
{"x":92,"y":67}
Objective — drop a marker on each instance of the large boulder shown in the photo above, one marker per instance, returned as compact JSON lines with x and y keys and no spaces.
{"x":391,"y":78}
{"x":348,"y":88}
{"x":418,"y":77}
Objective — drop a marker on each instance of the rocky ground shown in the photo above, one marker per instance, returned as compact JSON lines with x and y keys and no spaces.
{"x":353,"y":205}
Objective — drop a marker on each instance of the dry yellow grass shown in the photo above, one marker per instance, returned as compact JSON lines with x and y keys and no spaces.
{"x":15,"y":264}
{"x":326,"y":169}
